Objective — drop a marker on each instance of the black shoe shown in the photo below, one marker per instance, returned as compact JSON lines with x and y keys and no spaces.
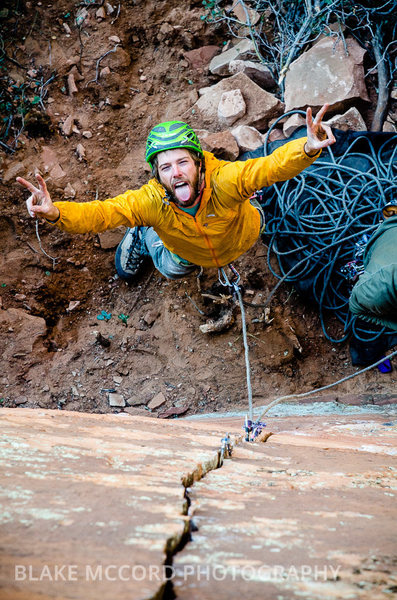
{"x":131,"y":252}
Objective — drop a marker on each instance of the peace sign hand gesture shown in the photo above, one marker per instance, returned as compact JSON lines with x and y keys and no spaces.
{"x":39,"y":203}
{"x":318,"y":135}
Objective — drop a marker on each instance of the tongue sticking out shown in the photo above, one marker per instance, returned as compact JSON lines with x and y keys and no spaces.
{"x":182,"y":192}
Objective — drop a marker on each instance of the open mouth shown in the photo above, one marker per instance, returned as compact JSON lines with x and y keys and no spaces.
{"x":182,"y":191}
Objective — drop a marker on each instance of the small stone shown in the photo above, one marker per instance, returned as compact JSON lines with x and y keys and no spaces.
{"x":69,"y":191}
{"x":20,"y":400}
{"x":67,"y":126}
{"x":72,"y":87}
{"x":57,"y":172}
{"x":80,"y":151}
{"x":74,"y":391}
{"x":104,"y":72}
{"x":117,"y":379}
{"x":72,"y":305}
{"x":20,"y":297}
{"x":109,"y":8}
{"x":157,"y":401}
{"x":143,"y":78}
{"x":116,"y":400}
{"x":67,"y":28}
{"x":114,"y":38}
{"x":100,"y":13}
{"x":150,"y":317}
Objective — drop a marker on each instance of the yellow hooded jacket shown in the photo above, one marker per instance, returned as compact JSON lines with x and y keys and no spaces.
{"x":224,"y":227}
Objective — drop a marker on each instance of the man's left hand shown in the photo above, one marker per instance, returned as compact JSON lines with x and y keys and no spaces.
{"x":318,"y":135}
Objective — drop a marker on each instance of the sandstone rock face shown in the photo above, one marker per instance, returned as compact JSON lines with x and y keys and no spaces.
{"x":231,"y":107}
{"x":351,"y":120}
{"x":261,"y":106}
{"x":247,"y":138}
{"x":219,"y":65}
{"x":222,"y":144}
{"x":26,"y":330}
{"x":259,"y":73}
{"x":326,"y":74}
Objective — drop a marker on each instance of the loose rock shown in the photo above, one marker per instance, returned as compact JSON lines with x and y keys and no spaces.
{"x":219,"y":65}
{"x":200,"y":58}
{"x":116,"y":400}
{"x":222,"y":144}
{"x":80,"y":151}
{"x":326,"y":74}
{"x":247,"y":138}
{"x":67,"y":126}
{"x":351,"y":120}
{"x":157,"y":401}
{"x":259,"y":73}
{"x":260,"y":105}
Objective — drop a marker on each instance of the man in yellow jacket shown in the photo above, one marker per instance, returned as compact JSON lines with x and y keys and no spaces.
{"x":196,"y":210}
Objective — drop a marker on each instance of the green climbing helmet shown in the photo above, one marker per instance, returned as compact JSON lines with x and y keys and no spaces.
{"x":170,"y":136}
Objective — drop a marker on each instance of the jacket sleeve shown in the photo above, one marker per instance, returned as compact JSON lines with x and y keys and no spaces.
{"x":239,"y":180}
{"x":130,"y":209}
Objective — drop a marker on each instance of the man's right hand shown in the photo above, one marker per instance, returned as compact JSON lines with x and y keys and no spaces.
{"x":39,"y":203}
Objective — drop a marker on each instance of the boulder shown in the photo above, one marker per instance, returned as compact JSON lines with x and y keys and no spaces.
{"x":325,"y":73}
{"x":259,"y":73}
{"x":231,"y":107}
{"x":200,"y":58}
{"x":222,"y":144}
{"x":350,"y":121}
{"x":219,"y":65}
{"x":247,"y":138}
{"x":261,"y":106}
{"x":292,"y":123}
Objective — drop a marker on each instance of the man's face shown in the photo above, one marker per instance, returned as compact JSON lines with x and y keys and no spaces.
{"x":179,"y":174}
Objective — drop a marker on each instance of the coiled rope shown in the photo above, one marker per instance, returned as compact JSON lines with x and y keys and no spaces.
{"x":317,"y":223}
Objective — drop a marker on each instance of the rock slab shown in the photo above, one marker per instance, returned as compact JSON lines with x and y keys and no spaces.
{"x":325,"y":73}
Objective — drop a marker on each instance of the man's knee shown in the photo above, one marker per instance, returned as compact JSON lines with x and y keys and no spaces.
{"x":375,"y":294}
